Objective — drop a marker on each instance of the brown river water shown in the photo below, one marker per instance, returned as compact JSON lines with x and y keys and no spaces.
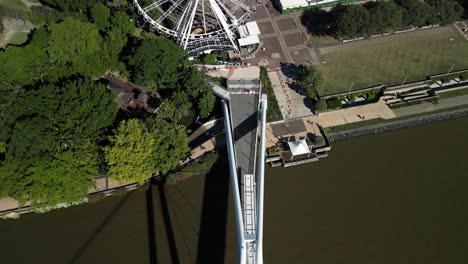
{"x":396,"y":197}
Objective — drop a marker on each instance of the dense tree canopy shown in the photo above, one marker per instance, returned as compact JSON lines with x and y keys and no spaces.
{"x":156,"y":62}
{"x":446,"y":11}
{"x":416,"y":13}
{"x":100,"y":14}
{"x":56,"y":113}
{"x":139,"y":150}
{"x":78,"y":45}
{"x":68,"y":5}
{"x":21,"y":64}
{"x":51,"y":134}
{"x":351,"y":20}
{"x":385,"y":16}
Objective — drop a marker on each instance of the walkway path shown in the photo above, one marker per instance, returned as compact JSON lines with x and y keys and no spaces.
{"x":13,"y":25}
{"x":427,"y":107}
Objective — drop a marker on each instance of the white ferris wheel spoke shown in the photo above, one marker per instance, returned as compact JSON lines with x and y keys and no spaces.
{"x":197,"y":25}
{"x":188,"y":27}
{"x":154,"y":5}
{"x":203,"y":14}
{"x":228,"y":12}
{"x":169,"y":11}
{"x":241,"y":5}
{"x":222,"y":19}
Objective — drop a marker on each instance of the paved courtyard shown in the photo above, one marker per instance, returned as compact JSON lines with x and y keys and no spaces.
{"x":283,"y":39}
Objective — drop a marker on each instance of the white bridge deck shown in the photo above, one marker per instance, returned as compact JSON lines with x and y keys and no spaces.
{"x":242,"y":103}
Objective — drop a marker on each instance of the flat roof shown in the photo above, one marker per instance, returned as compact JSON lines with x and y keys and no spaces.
{"x":293,"y":3}
{"x":249,"y":29}
{"x":248,"y":40}
{"x":252,"y":27}
{"x":245,"y":73}
{"x":288,"y":128}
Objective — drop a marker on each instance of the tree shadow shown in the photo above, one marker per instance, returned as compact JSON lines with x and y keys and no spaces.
{"x":81,"y":250}
{"x":309,"y":103}
{"x":212,"y":238}
{"x":291,"y":71}
{"x":317,"y":21}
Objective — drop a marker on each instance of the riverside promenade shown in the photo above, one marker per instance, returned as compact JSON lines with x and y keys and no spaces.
{"x":102,"y":184}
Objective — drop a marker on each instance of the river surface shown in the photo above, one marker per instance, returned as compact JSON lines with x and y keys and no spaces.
{"x":396,"y":197}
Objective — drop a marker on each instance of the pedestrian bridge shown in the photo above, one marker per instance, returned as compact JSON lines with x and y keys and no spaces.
{"x":244,"y":106}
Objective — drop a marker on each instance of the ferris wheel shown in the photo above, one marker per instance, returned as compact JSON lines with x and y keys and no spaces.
{"x":198,"y":25}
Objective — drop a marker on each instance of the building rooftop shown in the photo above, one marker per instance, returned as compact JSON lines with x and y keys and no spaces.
{"x":288,"y":128}
{"x":249,"y":73}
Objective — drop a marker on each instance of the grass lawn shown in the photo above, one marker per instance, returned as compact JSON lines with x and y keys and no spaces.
{"x":388,"y":60}
{"x":13,"y":4}
{"x":454,"y":93}
{"x":18,"y":38}
{"x":323,"y":40}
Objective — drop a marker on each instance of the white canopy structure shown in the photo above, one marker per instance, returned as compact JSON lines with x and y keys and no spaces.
{"x":298,"y":147}
{"x":248,"y":34}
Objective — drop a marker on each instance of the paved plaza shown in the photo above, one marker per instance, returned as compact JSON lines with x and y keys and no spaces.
{"x":283,"y":39}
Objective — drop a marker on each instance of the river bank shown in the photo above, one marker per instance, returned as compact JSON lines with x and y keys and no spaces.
{"x":388,"y":125}
{"x":366,"y":203}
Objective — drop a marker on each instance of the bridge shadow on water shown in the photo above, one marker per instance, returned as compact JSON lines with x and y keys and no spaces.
{"x":212,"y":235}
{"x":81,"y":250}
{"x":166,"y":217}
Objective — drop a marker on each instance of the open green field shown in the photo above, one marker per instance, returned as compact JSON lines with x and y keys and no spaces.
{"x":18,"y":38}
{"x":389,"y":60}
{"x":13,"y":4}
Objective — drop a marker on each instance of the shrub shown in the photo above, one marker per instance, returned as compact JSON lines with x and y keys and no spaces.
{"x":319,"y":141}
{"x":321,"y":105}
{"x":463,"y":76}
{"x":445,"y":79}
{"x":334,"y":103}
{"x":209,"y":59}
{"x":274,"y":151}
{"x":351,"y":98}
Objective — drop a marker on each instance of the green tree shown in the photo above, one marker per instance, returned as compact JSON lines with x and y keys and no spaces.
{"x":415,"y":12}
{"x":21,"y":64}
{"x":351,"y":21}
{"x":76,"y":47}
{"x":139,"y":150}
{"x":196,"y":85}
{"x":446,"y":11}
{"x":122,"y":22}
{"x":384,"y":16}
{"x":51,"y":134}
{"x":206,"y":103}
{"x":155,"y":63}
{"x":209,"y":59}
{"x":2,"y":27}
{"x":100,"y":15}
{"x":129,"y":155}
{"x":309,"y":79}
{"x":171,"y":144}
{"x":321,"y":105}
{"x":67,"y":5}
